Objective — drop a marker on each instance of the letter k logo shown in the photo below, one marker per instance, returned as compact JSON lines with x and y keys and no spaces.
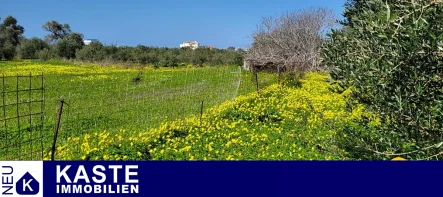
{"x":27,"y":185}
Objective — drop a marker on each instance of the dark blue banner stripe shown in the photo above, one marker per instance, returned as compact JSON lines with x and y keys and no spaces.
{"x":164,"y":178}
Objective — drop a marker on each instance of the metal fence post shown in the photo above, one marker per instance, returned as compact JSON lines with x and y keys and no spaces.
{"x":256,"y":82}
{"x":4,"y":111}
{"x":57,"y":127}
{"x":42,"y":115}
{"x":201,"y":112}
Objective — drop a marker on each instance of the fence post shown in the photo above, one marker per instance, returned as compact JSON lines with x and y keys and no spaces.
{"x":30,"y":111}
{"x":42,"y":116}
{"x":201,"y":112}
{"x":256,"y":82}
{"x":18,"y":119}
{"x":4,"y":111}
{"x":57,"y":127}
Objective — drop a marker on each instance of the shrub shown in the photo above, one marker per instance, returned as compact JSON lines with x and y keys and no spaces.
{"x":67,"y":47}
{"x":389,"y":54}
{"x":92,"y":52}
{"x":45,"y":54}
{"x":7,"y":51}
{"x":30,"y":48}
{"x":292,"y":78}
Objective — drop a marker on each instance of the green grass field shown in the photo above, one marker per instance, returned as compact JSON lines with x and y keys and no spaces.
{"x":283,"y":122}
{"x":105,"y":98}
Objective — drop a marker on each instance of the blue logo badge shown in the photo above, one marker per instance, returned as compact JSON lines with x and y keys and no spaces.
{"x":27,"y":185}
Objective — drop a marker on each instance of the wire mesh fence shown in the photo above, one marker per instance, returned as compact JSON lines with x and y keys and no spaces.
{"x":135,"y":101}
{"x":22,"y":122}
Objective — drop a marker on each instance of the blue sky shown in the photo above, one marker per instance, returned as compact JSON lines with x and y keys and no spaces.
{"x":164,"y":23}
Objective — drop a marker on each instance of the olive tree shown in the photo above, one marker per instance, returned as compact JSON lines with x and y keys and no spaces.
{"x":389,"y":53}
{"x":57,"y":31}
{"x":30,"y":48}
{"x":67,"y":47}
{"x":10,"y":36}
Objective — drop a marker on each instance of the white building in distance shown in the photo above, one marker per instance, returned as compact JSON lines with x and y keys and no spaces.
{"x":89,"y":41}
{"x":191,"y":44}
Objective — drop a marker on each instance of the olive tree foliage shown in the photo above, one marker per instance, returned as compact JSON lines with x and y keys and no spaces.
{"x":390,"y":54}
{"x":10,"y":36}
{"x":159,"y":57}
{"x":292,"y":40}
{"x":62,"y":43}
{"x":93,"y":52}
{"x":68,"y":46}
{"x":57,"y":31}
{"x":66,"y":42}
{"x":30,"y":48}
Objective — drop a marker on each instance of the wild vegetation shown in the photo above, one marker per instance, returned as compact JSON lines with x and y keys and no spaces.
{"x":378,"y":94}
{"x":282,"y":123}
{"x":389,"y":53}
{"x":159,"y":57}
{"x":10,"y":35}
{"x":106,"y":98}
{"x":291,"y":42}
{"x":63,"y":43}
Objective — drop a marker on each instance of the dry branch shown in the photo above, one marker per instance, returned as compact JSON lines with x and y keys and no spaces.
{"x":291,"y":41}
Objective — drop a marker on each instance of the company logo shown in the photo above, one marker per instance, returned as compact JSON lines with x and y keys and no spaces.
{"x":25,"y":178}
{"x":21,"y":178}
{"x":27,"y":185}
{"x":97,"y":179}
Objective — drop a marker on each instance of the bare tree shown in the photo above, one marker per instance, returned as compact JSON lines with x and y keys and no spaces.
{"x":292,"y":40}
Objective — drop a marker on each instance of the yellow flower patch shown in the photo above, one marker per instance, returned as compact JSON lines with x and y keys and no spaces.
{"x":282,"y":123}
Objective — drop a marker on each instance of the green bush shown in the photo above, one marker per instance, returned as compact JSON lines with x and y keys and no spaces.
{"x":291,"y":79}
{"x":92,"y":52}
{"x":389,"y":54}
{"x":46,"y":54}
{"x":30,"y":48}
{"x":7,"y":50}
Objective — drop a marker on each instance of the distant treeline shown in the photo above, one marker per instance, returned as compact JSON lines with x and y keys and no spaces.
{"x":62,"y":43}
{"x":160,"y":56}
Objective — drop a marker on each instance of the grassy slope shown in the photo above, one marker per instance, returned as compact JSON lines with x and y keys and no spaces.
{"x":108,"y":98}
{"x":282,"y":123}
